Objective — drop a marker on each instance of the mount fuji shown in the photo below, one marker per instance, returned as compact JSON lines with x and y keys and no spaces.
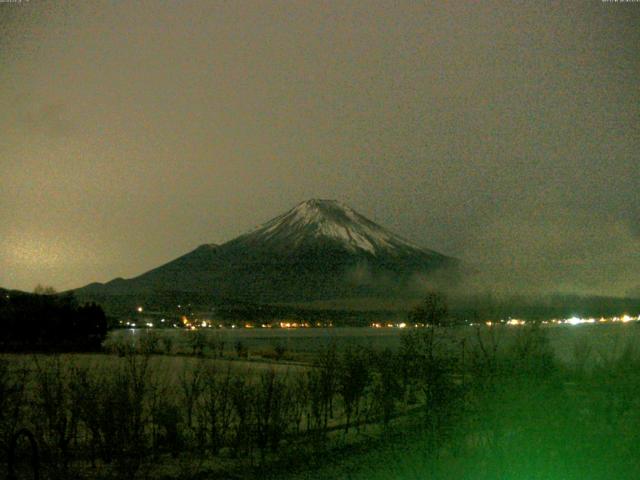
{"x":320,"y":249}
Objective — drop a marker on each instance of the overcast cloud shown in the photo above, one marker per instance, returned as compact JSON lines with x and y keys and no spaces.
{"x":506,"y":135}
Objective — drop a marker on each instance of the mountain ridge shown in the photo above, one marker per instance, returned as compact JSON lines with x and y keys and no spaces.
{"x":319,"y":249}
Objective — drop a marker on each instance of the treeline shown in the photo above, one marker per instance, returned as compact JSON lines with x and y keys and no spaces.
{"x":49,"y":322}
{"x":464,"y":308}
{"x":230,"y":311}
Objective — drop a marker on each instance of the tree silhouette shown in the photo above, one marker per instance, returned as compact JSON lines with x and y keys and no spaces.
{"x":44,"y":290}
{"x":49,"y":322}
{"x":433,"y":311}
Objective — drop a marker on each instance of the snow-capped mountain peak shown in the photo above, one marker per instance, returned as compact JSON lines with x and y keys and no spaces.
{"x":330,"y":220}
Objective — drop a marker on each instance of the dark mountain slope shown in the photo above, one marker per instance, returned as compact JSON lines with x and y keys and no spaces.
{"x":319,"y":249}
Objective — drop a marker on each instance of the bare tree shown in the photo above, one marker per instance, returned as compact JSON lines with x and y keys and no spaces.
{"x":269,"y":414}
{"x":217,"y":411}
{"x":386,"y":385}
{"x":240,"y":392}
{"x":432,"y":311}
{"x":191,"y":385}
{"x":353,"y":378}
{"x":54,"y":406}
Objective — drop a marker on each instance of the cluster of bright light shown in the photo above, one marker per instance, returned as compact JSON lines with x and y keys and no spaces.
{"x":575,"y":320}
{"x":382,"y":325}
{"x":515,"y":321}
{"x":294,"y":325}
{"x":396,"y":325}
{"x":578,"y":321}
{"x":519,"y":322}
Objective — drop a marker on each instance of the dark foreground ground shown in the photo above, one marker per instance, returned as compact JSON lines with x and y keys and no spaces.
{"x":496,"y":403}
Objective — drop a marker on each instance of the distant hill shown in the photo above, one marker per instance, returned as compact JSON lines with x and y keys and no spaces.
{"x":318,"y":250}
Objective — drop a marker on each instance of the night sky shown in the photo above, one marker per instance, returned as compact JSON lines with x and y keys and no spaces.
{"x":506,"y":135}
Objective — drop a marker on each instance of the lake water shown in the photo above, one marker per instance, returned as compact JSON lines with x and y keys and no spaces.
{"x":604,"y":341}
